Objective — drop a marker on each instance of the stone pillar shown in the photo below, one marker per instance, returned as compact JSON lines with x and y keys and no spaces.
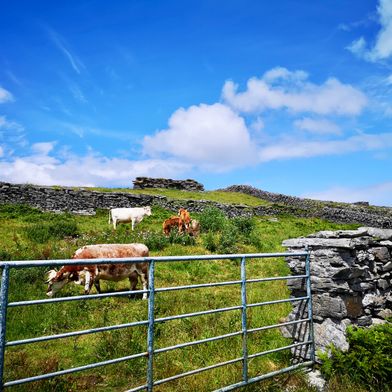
{"x":351,"y":275}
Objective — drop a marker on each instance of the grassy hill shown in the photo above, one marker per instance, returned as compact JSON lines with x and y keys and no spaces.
{"x":29,"y":234}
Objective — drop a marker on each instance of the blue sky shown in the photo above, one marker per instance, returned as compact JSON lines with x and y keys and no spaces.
{"x":288,"y":96}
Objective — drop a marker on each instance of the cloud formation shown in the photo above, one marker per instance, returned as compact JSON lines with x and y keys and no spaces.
{"x":59,"y":41}
{"x":209,"y":136}
{"x":377,"y":194}
{"x":43,"y":168}
{"x":382,"y":48}
{"x":5,"y":95}
{"x":280,"y":88}
{"x":292,"y":148}
{"x":318,"y":126}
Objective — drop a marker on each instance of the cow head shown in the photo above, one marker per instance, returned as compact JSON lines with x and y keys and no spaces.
{"x":147,"y":210}
{"x":58,"y":279}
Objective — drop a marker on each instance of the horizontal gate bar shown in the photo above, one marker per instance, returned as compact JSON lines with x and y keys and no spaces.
{"x":61,"y":262}
{"x":278,"y":301}
{"x":76,"y":333}
{"x":202,"y":313}
{"x":200,"y":370}
{"x":75,"y":298}
{"x":217,"y":284}
{"x":278,"y":325}
{"x":163,"y":289}
{"x":264,"y":376}
{"x":275,"y":350}
{"x":73,"y":370}
{"x":195,"y":342}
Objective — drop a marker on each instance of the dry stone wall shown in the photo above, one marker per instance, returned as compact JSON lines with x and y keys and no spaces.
{"x":359,"y":212}
{"x":351,"y":275}
{"x":167,"y":183}
{"x":84,"y":201}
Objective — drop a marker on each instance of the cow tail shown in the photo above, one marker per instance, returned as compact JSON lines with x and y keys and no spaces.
{"x":110,"y":217}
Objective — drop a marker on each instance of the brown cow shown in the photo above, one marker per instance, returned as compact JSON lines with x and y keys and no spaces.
{"x":184,"y":215}
{"x":91,"y":274}
{"x":174,"y":221}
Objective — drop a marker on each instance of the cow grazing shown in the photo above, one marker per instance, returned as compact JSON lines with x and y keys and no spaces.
{"x":184,"y":215}
{"x":194,"y":228}
{"x":174,"y":221}
{"x":92,"y":274}
{"x":126,"y":215}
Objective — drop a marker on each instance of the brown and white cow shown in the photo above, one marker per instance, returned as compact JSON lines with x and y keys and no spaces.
{"x":194,"y":228}
{"x":174,"y":221}
{"x":92,"y":274}
{"x":184,"y":215}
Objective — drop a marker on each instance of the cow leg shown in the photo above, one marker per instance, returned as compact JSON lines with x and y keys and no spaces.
{"x":133,"y":278}
{"x":97,"y":285}
{"x":144,"y":279}
{"x":88,"y":283}
{"x":114,"y":223}
{"x":133,"y":224}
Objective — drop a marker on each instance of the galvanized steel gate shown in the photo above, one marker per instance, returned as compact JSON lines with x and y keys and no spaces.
{"x":152,"y":291}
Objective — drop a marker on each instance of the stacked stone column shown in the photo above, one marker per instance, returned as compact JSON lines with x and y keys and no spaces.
{"x":351,"y":275}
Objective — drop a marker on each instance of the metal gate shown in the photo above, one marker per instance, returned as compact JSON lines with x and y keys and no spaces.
{"x":150,"y":352}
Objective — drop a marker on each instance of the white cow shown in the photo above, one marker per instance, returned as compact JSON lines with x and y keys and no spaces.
{"x":126,"y":215}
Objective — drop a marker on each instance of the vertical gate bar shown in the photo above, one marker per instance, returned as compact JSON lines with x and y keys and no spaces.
{"x":244,"y":323}
{"x":3,"y":321}
{"x":310,"y":306}
{"x":150,"y":332}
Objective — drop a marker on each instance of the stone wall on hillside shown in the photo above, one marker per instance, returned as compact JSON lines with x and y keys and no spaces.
{"x":359,"y":212}
{"x":351,"y":279}
{"x":84,"y":201}
{"x":167,"y":183}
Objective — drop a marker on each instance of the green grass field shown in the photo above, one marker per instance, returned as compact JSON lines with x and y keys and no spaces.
{"x":27,"y":234}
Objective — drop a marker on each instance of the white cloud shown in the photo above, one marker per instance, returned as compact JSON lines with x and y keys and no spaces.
{"x":378,"y":194}
{"x":11,"y":133}
{"x":292,"y":148}
{"x":358,"y":47}
{"x":91,"y":170}
{"x":77,"y":93}
{"x":283,"y":89}
{"x":5,"y":95}
{"x":210,"y":136}
{"x":319,"y":126}
{"x":59,"y":41}
{"x":43,"y":148}
{"x":1,"y":151}
{"x":382,"y":48}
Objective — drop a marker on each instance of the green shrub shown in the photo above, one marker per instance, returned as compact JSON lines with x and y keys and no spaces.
{"x":228,"y":239}
{"x":155,"y":241}
{"x":210,"y":242}
{"x":368,"y":361}
{"x":181,"y":238}
{"x":244,"y":225}
{"x":212,"y":219}
{"x":57,"y":228}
